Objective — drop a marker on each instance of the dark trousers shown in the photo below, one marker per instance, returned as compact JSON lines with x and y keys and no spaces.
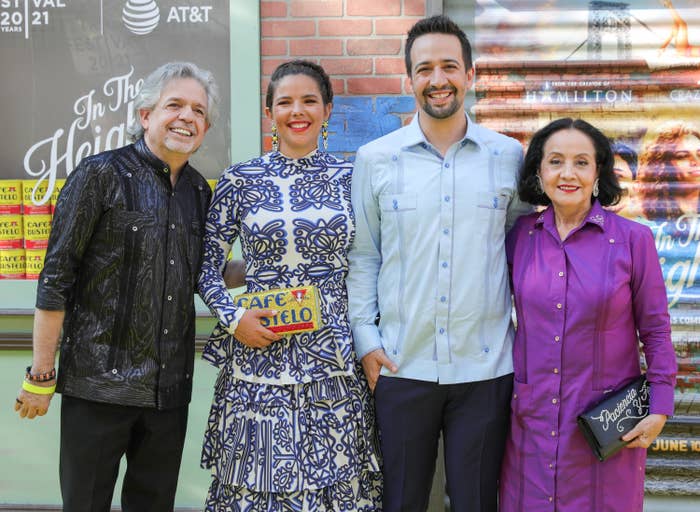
{"x":95,"y":436}
{"x":473,"y":418}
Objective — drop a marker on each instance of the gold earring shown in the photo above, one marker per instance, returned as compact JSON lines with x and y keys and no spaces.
{"x":324,"y":134}
{"x":275,"y":139}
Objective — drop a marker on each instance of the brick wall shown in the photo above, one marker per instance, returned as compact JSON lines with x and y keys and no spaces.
{"x":360,"y":44}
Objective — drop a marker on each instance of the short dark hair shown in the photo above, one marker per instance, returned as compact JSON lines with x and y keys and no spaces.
{"x":300,"y":67}
{"x":628,"y":154}
{"x":608,"y":187}
{"x":437,"y":25}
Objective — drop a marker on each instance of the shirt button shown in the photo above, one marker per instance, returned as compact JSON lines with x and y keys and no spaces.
{"x":165,"y":169}
{"x":172,"y":226}
{"x":134,"y":228}
{"x":557,"y":338}
{"x":551,"y":466}
{"x":556,"y":370}
{"x":554,"y":433}
{"x":170,"y":297}
{"x":444,"y":264}
{"x":187,"y":375}
{"x":550,"y":498}
{"x":46,"y":279}
{"x":558,"y":306}
{"x":394,"y":158}
{"x":165,"y":331}
{"x":442,"y":331}
{"x":447,"y":165}
{"x":163,"y":366}
{"x":486,"y":349}
{"x":612,"y":240}
{"x":515,"y":395}
{"x":561,"y":274}
{"x":446,"y":231}
{"x":172,"y":262}
{"x":443,"y":299}
{"x":114,"y":371}
{"x":447,"y":199}
{"x":554,"y":400}
{"x":128,"y":175}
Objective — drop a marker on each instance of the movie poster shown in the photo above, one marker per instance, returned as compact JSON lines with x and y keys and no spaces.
{"x":633,"y":70}
{"x":71,"y":69}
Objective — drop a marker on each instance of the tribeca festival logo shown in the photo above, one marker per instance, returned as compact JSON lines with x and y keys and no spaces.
{"x":140,"y":17}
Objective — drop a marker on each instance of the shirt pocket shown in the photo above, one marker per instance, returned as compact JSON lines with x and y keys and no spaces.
{"x":492,"y":201}
{"x":398,"y":202}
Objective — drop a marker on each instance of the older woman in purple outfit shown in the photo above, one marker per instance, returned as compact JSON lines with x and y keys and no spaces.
{"x":588,"y":288}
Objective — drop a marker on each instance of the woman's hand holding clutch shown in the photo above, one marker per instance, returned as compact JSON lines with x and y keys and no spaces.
{"x":250,"y":331}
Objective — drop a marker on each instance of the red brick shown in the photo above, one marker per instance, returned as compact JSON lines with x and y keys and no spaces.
{"x":373,"y":7}
{"x":338,"y":85}
{"x":344,"y":27}
{"x":373,"y":46}
{"x":389,"y":66}
{"x":273,"y":9}
{"x":267,"y":143}
{"x":288,"y":28}
{"x":393,"y":26}
{"x":347,"y":66}
{"x":266,"y":125}
{"x":273,"y":47}
{"x":269,"y":65}
{"x":316,"y":47}
{"x":414,"y":7}
{"x":317,"y":8}
{"x":263,"y":87}
{"x":372,"y":85}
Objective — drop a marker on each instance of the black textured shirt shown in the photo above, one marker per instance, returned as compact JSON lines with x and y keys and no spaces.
{"x":122,"y":262}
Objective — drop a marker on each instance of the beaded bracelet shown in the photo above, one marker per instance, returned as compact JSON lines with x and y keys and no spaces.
{"x":38,"y":390}
{"x":40,"y":377}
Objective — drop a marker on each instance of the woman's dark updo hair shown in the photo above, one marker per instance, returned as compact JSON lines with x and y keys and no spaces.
{"x":609,"y":191}
{"x":300,"y":67}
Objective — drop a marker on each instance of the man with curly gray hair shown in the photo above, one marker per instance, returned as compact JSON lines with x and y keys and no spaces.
{"x":119,"y":281}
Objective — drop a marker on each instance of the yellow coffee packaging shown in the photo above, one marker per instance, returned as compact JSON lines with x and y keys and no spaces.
{"x":12,"y":264}
{"x":34,"y":262}
{"x":297,"y":308}
{"x":10,"y":197}
{"x":36,"y":231}
{"x":11,"y":232}
{"x":58,"y":186}
{"x":34,"y":200}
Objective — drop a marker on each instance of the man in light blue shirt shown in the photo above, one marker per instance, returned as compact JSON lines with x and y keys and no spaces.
{"x":433,"y":202}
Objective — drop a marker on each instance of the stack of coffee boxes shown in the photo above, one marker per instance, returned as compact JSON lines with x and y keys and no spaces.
{"x":26,"y":210}
{"x":12,"y":257}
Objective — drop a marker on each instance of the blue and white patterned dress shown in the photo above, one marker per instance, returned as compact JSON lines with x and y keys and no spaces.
{"x":291,"y":427}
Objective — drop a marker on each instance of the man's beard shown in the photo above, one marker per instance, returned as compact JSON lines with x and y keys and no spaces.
{"x":444,"y":111}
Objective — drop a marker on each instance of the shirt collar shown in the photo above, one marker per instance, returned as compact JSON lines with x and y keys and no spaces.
{"x":158,"y":165}
{"x":414,"y":136}
{"x":596,"y":216}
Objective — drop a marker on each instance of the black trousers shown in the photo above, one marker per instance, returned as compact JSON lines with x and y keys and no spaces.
{"x":95,"y":436}
{"x":473,"y":418}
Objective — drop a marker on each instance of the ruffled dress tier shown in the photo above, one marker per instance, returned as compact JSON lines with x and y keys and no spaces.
{"x":291,"y":426}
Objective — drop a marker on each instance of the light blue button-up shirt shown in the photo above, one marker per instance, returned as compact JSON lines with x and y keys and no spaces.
{"x":429,"y":253}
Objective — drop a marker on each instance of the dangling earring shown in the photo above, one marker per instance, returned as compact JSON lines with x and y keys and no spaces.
{"x":324,"y":134}
{"x":538,"y":185}
{"x":275,"y":139}
{"x":596,"y":190}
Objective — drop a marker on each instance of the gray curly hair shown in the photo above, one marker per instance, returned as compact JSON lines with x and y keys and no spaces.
{"x":154,"y":84}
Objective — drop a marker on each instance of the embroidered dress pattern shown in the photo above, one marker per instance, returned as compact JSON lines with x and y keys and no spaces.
{"x":291,"y":427}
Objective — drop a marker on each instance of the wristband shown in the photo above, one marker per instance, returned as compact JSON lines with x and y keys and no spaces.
{"x":40,"y":377}
{"x":38,"y":390}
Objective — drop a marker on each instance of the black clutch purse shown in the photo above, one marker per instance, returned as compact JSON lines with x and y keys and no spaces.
{"x":604,"y":424}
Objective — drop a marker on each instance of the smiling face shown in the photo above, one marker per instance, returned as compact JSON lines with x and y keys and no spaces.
{"x":686,"y":159}
{"x":568,"y":170}
{"x":176,"y":126}
{"x":438,"y":77}
{"x":625,"y":178}
{"x":298,"y":112}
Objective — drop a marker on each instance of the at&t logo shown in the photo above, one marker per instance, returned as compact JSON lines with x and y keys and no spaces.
{"x":140,"y":16}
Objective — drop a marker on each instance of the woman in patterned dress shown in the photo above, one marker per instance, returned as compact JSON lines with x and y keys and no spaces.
{"x":291,"y":427}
